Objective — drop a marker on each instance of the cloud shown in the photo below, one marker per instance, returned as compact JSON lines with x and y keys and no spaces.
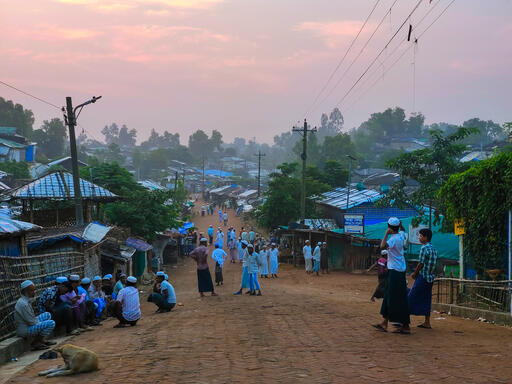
{"x":53,"y":33}
{"x":118,"y":5}
{"x":333,"y":33}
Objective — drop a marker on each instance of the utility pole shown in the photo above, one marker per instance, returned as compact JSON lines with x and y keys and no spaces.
{"x":350,"y":159}
{"x":176,"y":182}
{"x":304,"y":132}
{"x":260,"y":155}
{"x":202,"y":188}
{"x":70,"y":117}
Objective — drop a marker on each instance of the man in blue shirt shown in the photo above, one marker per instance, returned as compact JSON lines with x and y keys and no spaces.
{"x":210,"y":234}
{"x":165,"y":299}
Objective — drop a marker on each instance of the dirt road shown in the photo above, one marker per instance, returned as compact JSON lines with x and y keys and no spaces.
{"x":303,"y":329}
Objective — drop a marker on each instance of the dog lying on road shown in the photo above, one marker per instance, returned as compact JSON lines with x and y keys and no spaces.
{"x":76,"y":359}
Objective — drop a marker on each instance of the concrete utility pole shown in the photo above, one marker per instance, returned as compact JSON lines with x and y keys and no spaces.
{"x":202,"y":188}
{"x":70,"y":118}
{"x":349,"y":181}
{"x":260,"y":155}
{"x":304,"y":132}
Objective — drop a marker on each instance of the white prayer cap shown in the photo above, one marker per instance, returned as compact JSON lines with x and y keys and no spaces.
{"x":307,"y":241}
{"x":384,"y":252}
{"x":61,"y":279}
{"x":166,"y":276}
{"x":107,"y":277}
{"x":250,"y":246}
{"x":122,"y":275}
{"x":86,"y":280}
{"x":25,"y":284}
{"x":203,"y":239}
{"x":96,"y":278}
{"x":245,"y":242}
{"x":394,"y":221}
{"x":74,"y":278}
{"x":160,"y":273}
{"x":319,"y":243}
{"x":273,"y":244}
{"x":131,"y":279}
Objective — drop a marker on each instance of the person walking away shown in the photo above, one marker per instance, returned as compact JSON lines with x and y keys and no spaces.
{"x":219,"y":256}
{"x":263,"y":262}
{"x":308,"y":257}
{"x":420,"y":295}
{"x":232,"y":245}
{"x":382,"y":276}
{"x":274,"y":260}
{"x":316,"y":258}
{"x":244,"y":234}
{"x":244,"y":281}
{"x":324,"y":258}
{"x":127,"y":304}
{"x":28,"y":324}
{"x":225,"y":218}
{"x":220,"y":216}
{"x":394,"y":305}
{"x":210,"y":234}
{"x":165,"y":297}
{"x":220,"y":238}
{"x":253,"y":266}
{"x":252,"y":236}
{"x":204,"y":278}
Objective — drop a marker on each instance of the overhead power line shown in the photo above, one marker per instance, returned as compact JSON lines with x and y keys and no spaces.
{"x":403,"y":53}
{"x":360,"y":52}
{"x":30,"y":95}
{"x":342,"y":59}
{"x":380,"y":53}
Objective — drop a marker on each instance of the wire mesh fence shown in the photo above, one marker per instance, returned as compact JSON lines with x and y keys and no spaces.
{"x":41,"y":269}
{"x":480,"y":294}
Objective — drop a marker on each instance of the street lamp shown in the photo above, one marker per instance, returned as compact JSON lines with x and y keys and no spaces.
{"x":350,"y":159}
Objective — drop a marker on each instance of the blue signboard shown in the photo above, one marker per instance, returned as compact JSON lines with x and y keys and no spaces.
{"x":354,"y":224}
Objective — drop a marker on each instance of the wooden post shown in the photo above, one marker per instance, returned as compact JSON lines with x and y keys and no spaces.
{"x":30,"y":204}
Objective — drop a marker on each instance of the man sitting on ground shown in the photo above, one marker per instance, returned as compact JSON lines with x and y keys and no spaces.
{"x":49,"y":301}
{"x":165,"y":299}
{"x":90,"y":307}
{"x":98,"y":297}
{"x":121,"y":283}
{"x":126,"y":308}
{"x":27,"y":323}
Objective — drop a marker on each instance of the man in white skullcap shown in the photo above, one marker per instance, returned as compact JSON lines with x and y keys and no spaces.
{"x":27,"y":323}
{"x":204,"y":278}
{"x":90,"y":306}
{"x":244,"y":282}
{"x":126,"y":307}
{"x":274,"y":260}
{"x":316,"y":258}
{"x":97,"y":296}
{"x":121,"y":283}
{"x":107,"y":285}
{"x":395,"y":306}
{"x":308,"y":257}
{"x":163,"y":296}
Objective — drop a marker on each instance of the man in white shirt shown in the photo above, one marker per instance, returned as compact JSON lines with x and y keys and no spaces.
{"x":308,"y":257}
{"x":395,"y":306}
{"x":127,"y":305}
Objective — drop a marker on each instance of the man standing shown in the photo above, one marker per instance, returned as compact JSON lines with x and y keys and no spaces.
{"x":308,"y":257}
{"x":394,"y":305}
{"x":220,"y":216}
{"x":324,"y":258}
{"x":210,"y":234}
{"x":204,"y":278}
{"x":244,"y":235}
{"x":244,"y":283}
{"x":127,"y":305}
{"x":220,"y":238}
{"x":225,"y":218}
{"x":252,"y":236}
{"x":219,"y":256}
{"x":253,"y":268}
{"x":274,"y":260}
{"x":420,"y":295}
{"x":27,"y":323}
{"x":316,"y":258}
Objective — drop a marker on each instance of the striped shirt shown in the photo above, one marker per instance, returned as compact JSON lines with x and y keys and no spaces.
{"x":129,"y":298}
{"x":428,"y":257}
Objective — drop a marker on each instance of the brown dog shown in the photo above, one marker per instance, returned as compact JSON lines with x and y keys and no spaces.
{"x":76,"y":359}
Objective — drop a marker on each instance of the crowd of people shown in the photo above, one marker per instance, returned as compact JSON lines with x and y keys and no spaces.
{"x":77,"y":304}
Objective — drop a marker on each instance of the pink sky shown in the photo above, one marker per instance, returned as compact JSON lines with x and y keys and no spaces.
{"x":250,"y":68}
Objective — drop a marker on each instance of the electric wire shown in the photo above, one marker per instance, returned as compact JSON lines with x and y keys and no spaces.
{"x":340,"y":63}
{"x":30,"y":95}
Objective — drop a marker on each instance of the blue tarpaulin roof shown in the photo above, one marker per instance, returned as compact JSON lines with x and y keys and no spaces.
{"x":217,"y":172}
{"x":59,"y":186}
{"x":139,"y":245}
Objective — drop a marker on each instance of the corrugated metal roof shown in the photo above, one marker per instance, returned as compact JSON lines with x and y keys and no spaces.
{"x":151,"y":185}
{"x":327,"y":224}
{"x":11,"y":144}
{"x":8,"y":130}
{"x":59,"y":186}
{"x":338,"y":197}
{"x":248,"y":193}
{"x":60,"y":161}
{"x":220,"y":189}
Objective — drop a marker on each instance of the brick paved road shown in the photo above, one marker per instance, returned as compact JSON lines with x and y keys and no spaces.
{"x":302,"y":330}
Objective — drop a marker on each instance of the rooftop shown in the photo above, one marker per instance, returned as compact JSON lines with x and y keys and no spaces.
{"x":338,"y":197}
{"x":59,"y":186}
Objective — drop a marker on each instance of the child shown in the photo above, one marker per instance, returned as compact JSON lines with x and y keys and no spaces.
{"x":382,"y":275}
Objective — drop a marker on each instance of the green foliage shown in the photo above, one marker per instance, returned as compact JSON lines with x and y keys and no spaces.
{"x":481,"y":197}
{"x":110,"y":176}
{"x":51,"y":138}
{"x":282,"y":199}
{"x":430,"y":167}
{"x":18,"y":170}
{"x":14,"y":115}
{"x":335,"y":174}
{"x":485,"y":131}
{"x":201,"y":145}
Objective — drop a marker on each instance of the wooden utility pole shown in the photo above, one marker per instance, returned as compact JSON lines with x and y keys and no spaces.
{"x":304,"y":132}
{"x":202,"y":187}
{"x":71,"y":122}
{"x":260,"y":155}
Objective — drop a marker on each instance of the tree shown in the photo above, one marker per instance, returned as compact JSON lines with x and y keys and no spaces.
{"x":110,"y":176}
{"x":430,"y":167}
{"x":335,"y":174}
{"x":18,"y":170}
{"x":487,"y":131}
{"x":111,"y":133}
{"x":14,"y":115}
{"x":337,"y":148}
{"x":199,"y":143}
{"x":51,"y":138}
{"x":127,"y":137}
{"x":216,"y":140}
{"x":481,"y":197}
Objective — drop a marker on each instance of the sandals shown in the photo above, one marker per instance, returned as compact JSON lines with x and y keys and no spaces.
{"x":424,"y":326}
{"x":119,"y":326}
{"x":402,"y":332}
{"x":39,"y":347}
{"x":379,"y":328}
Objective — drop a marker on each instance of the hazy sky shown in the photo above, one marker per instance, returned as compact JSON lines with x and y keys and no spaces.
{"x":252,"y":68}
